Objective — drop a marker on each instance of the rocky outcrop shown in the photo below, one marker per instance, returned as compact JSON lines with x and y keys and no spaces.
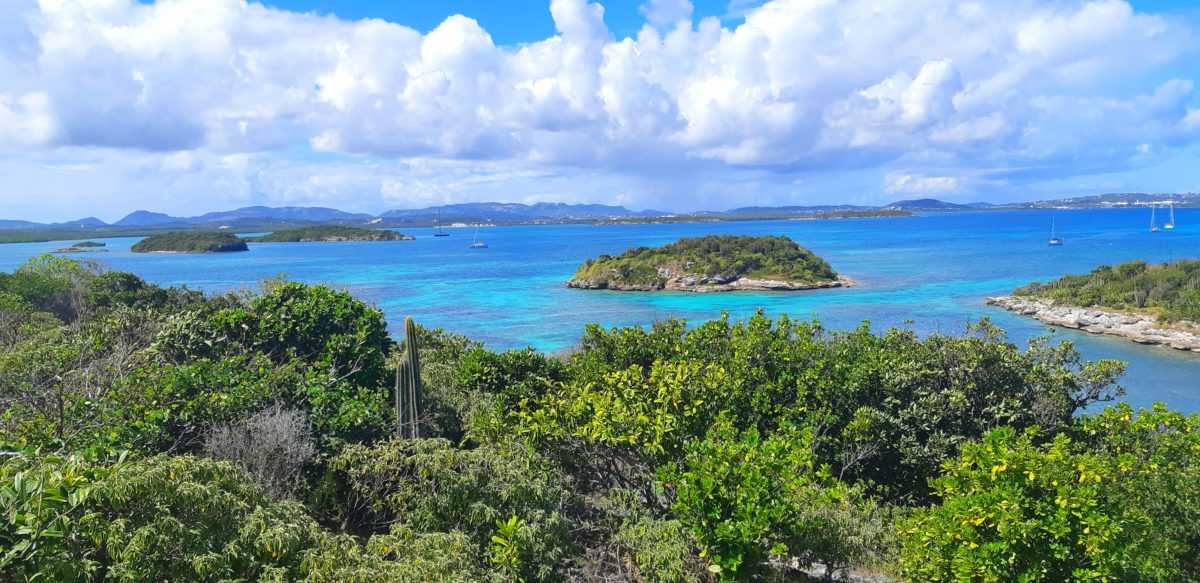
{"x":673,"y":281}
{"x":1139,"y":328}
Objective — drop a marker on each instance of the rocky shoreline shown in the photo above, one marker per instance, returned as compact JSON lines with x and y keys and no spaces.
{"x":690,"y":282}
{"x":1139,"y":328}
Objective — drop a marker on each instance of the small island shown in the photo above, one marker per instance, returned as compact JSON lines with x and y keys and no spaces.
{"x":1148,"y":304}
{"x":711,"y":263}
{"x":83,"y":247}
{"x":329,"y":233}
{"x":191,"y":242}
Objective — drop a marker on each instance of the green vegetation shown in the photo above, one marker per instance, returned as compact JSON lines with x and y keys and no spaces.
{"x":160,"y":434}
{"x":1170,"y":291}
{"x":710,"y":260}
{"x":190,"y":242}
{"x":329,"y":233}
{"x":83,"y":246}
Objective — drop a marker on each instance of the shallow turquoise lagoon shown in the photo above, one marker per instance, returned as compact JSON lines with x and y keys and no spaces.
{"x":930,"y":272}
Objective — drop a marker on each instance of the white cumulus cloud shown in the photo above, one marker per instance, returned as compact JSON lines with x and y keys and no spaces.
{"x":235,"y":98}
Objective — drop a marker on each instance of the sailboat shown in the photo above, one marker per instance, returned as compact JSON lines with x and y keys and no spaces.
{"x":1054,"y":239}
{"x":1171,"y":222}
{"x":476,"y":243}
{"x":437,"y":223}
{"x":1153,"y":223}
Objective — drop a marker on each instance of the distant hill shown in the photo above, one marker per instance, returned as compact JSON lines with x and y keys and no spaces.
{"x":926,"y":204}
{"x":146,"y":218}
{"x":301,"y":214}
{"x":15,"y":225}
{"x":264,"y":218}
{"x":84,"y":222}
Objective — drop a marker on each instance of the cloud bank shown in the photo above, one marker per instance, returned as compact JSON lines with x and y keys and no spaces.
{"x":194,"y":103}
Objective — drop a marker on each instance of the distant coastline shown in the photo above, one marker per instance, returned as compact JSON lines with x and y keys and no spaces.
{"x":269,"y":219}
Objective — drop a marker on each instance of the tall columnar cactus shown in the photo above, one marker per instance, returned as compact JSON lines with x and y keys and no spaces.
{"x":410,"y":394}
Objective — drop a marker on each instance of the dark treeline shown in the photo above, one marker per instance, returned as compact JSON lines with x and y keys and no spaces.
{"x":161,"y":434}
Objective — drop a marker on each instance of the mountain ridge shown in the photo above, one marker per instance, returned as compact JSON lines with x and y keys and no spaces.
{"x":518,"y":213}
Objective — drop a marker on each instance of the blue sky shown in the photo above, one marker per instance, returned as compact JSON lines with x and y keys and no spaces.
{"x":510,"y":21}
{"x":188,"y":106}
{"x":520,"y":21}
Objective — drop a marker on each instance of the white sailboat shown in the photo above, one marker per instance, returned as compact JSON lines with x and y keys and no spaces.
{"x":1171,"y":221}
{"x":476,"y":243}
{"x":1054,"y":239}
{"x":1153,"y":223}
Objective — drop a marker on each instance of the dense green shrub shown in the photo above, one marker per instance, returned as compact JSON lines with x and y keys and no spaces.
{"x":52,"y":284}
{"x":513,"y":376}
{"x":429,"y":486}
{"x":661,"y":550}
{"x":325,"y":328}
{"x":746,"y":498}
{"x":890,"y":408}
{"x":1122,"y":507}
{"x":45,"y":516}
{"x":156,"y":519}
{"x":401,"y":555}
{"x":761,"y":445}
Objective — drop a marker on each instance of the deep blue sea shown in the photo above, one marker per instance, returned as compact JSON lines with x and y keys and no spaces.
{"x":929,"y":272}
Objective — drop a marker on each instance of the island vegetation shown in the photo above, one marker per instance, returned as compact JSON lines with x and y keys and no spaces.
{"x":161,"y":434}
{"x":1168,"y":291}
{"x":714,"y":262}
{"x":191,"y":242}
{"x":329,"y":233}
{"x":89,"y":244}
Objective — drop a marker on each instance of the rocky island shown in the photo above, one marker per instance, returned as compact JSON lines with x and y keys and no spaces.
{"x":329,"y":233}
{"x":83,"y":247}
{"x":191,"y":242}
{"x":711,"y":263}
{"x":1148,"y":304}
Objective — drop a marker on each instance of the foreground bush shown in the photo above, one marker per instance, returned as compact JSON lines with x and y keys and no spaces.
{"x":734,"y":450}
{"x":429,"y":486}
{"x":1119,"y":505}
{"x":157,"y":519}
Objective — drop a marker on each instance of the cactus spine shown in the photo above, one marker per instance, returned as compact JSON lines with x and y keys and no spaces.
{"x":409,"y":392}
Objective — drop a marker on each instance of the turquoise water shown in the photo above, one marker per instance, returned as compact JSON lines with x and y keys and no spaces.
{"x":931,"y":271}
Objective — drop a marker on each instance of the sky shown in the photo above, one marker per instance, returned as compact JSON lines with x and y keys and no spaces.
{"x":189,"y":106}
